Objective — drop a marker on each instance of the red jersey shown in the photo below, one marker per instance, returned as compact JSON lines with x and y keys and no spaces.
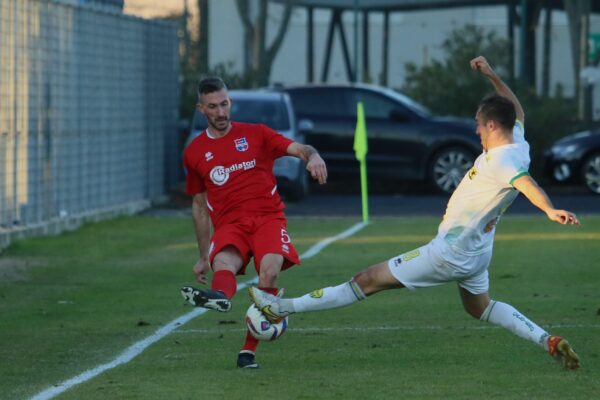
{"x":236,"y":171}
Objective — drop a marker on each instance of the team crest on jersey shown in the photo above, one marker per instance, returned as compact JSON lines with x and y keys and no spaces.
{"x":472,"y":173}
{"x":241,"y":144}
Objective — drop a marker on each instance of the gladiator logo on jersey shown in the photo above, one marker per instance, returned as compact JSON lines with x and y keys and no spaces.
{"x":219,"y":175}
{"x":241,"y":144}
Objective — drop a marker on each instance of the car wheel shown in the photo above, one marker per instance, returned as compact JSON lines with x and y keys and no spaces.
{"x":591,"y":173}
{"x":448,"y":167}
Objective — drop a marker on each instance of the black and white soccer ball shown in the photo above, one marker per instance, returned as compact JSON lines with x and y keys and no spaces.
{"x":261,"y":328}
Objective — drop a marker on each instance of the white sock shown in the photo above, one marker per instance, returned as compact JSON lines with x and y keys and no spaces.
{"x":508,"y":317}
{"x":327,"y":298}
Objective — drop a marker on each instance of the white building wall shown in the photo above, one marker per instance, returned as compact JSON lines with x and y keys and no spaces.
{"x":415,"y":36}
{"x":226,"y":34}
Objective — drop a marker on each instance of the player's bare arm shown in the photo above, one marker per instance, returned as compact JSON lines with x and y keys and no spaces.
{"x":314,"y":163}
{"x":538,"y":197}
{"x":202,"y":228}
{"x":481,"y":64}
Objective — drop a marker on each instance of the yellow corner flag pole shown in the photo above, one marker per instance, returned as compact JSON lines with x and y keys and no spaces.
{"x":360,"y":149}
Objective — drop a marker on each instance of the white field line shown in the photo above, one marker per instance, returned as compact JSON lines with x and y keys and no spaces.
{"x":327,"y":241}
{"x":393,"y":328}
{"x":137,"y":348}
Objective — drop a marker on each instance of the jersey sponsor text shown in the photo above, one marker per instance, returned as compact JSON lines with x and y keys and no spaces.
{"x":219,"y":175}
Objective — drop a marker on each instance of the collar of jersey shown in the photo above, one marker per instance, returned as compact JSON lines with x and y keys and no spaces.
{"x":502,"y":146}
{"x":211,"y":136}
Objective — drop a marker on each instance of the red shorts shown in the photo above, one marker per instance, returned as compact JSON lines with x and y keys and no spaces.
{"x":255,"y":237}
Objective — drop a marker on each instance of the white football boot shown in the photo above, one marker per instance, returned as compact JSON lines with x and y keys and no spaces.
{"x":270,"y":305}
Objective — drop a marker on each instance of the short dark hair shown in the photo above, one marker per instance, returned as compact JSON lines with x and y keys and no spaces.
{"x":210,"y":85}
{"x":500,"y":109}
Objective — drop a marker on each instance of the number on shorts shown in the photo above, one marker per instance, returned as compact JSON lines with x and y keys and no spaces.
{"x":285,"y":238}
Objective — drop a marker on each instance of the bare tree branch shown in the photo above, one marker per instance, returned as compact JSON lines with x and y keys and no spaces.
{"x":283,"y":27}
{"x":260,"y":36}
{"x":203,"y":42}
{"x":244,"y":12}
{"x":258,"y":58}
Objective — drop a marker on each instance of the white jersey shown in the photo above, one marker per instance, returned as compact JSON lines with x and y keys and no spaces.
{"x":483,"y":195}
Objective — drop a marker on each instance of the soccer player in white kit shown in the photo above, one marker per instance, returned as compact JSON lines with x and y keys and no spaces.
{"x":462,"y":249}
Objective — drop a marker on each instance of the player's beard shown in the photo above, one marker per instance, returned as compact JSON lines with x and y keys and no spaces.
{"x":220,"y":124}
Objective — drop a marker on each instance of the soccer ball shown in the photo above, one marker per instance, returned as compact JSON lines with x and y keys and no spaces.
{"x":261,"y":328}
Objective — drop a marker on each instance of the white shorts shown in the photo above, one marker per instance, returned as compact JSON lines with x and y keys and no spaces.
{"x":436,"y":263}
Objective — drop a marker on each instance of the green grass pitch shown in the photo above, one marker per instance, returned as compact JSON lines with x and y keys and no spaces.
{"x":72,"y":302}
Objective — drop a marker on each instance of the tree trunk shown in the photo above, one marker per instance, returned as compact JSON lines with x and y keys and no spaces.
{"x":578,"y":13}
{"x":258,"y":48}
{"x":260,"y":56}
{"x":203,"y":43}
{"x":512,"y":17}
{"x":531,"y":24}
{"x":244,"y":12}
{"x":546,"y":54}
{"x":185,"y":49}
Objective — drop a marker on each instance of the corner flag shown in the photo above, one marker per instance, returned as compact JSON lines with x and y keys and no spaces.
{"x":360,"y":150}
{"x":360,"y":136}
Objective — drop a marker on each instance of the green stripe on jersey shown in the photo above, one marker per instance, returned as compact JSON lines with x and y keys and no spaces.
{"x":518,"y":176}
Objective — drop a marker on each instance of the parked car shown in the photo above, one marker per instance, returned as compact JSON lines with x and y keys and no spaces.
{"x":576,"y":159}
{"x":406,"y":142}
{"x":274,"y":109}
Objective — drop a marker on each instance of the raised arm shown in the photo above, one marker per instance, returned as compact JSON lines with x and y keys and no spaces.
{"x":481,"y":64}
{"x":538,"y":197}
{"x":314,"y":163}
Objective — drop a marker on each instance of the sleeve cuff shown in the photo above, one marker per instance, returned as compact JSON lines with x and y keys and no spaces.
{"x":518,"y":176}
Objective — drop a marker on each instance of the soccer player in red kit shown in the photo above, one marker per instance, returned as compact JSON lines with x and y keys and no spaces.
{"x":230,"y":176}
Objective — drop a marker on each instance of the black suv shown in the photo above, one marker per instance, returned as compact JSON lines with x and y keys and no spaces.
{"x":576,"y":158}
{"x":405,"y":141}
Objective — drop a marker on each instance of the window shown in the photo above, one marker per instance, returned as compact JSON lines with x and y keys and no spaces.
{"x":272,"y":113}
{"x":316,"y":102}
{"x":269,"y":112}
{"x":375,"y":105}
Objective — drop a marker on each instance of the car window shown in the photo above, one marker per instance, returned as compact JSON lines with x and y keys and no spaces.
{"x":375,"y":105}
{"x":415,"y":107}
{"x":272,"y":113}
{"x":269,"y":112}
{"x":317,"y":102}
